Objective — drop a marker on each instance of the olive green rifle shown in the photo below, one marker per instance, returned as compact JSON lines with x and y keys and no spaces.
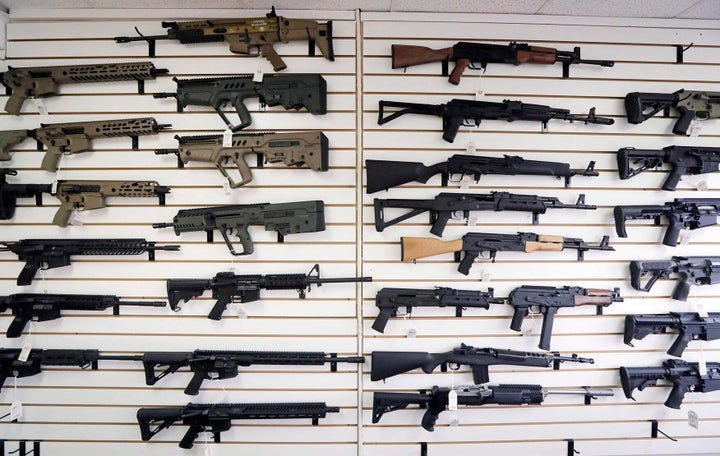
{"x":42,"y":82}
{"x":74,"y":137}
{"x":308,"y":148}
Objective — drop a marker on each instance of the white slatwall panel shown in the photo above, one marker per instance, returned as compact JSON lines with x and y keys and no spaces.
{"x":84,"y":412}
{"x":617,"y":426}
{"x":65,"y":406}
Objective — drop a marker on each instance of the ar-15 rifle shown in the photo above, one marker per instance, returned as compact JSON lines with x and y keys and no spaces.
{"x":689,"y":325}
{"x":216,"y":418}
{"x":9,"y":193}
{"x":74,"y":137}
{"x":244,"y":34}
{"x":437,"y":400}
{"x":228,"y":287}
{"x":389,"y":301}
{"x":472,"y":245}
{"x":55,"y":253}
{"x":45,"y":307}
{"x":222,"y":364}
{"x":682,"y":213}
{"x":684,"y":376}
{"x":292,"y":91}
{"x":306,"y":148}
{"x":387,"y":364}
{"x":684,"y":160}
{"x":693,"y":270}
{"x":385,"y":174}
{"x":446,"y":205}
{"x":12,"y":366}
{"x":457,"y":113}
{"x":285,"y":218}
{"x":43,"y":82}
{"x":468,"y":55}
{"x":549,"y":300}
{"x":689,"y":103}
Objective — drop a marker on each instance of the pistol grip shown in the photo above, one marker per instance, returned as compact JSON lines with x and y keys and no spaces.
{"x":245,"y":173}
{"x":193,"y":388}
{"x":451,"y":125}
{"x":219,"y":307}
{"x":457,"y":72}
{"x":242,"y":112}
{"x":16,"y":326}
{"x":268,"y":51}
{"x":62,"y":215}
{"x":15,"y":102}
{"x":518,"y":317}
{"x":680,"y":344}
{"x":439,"y":222}
{"x":244,"y":237}
{"x":28,"y":273}
{"x":683,"y":123}
{"x":50,"y":161}
{"x":673,"y":178}
{"x":673,"y":232}
{"x":381,"y":320}
{"x":682,"y":290}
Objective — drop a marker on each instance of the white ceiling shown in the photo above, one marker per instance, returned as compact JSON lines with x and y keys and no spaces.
{"x":687,"y":9}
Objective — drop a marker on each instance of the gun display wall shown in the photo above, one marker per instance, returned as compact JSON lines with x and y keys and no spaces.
{"x":253,"y":353}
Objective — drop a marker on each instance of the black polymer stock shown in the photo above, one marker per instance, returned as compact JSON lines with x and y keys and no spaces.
{"x":291,"y":91}
{"x":436,"y":400}
{"x":684,"y":376}
{"x":9,"y":193}
{"x":45,"y":307}
{"x":228,"y":287}
{"x":693,"y":270}
{"x":681,"y":213}
{"x":688,"y":325}
{"x":457,"y":113}
{"x":385,"y":174}
{"x":387,"y":364}
{"x":691,"y":105}
{"x":446,"y":206}
{"x":683,"y":160}
{"x":217,"y":418}
{"x":54,"y":253}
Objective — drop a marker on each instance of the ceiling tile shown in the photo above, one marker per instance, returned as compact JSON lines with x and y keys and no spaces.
{"x":704,"y":9}
{"x":469,"y":6}
{"x":617,"y":8}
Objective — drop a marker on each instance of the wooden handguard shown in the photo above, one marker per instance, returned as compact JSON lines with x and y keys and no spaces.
{"x":405,"y":55}
{"x":413,"y":248}
{"x":545,"y":242}
{"x":595,"y":297}
{"x":536,"y":55}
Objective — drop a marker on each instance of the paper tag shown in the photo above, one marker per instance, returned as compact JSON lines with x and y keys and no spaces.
{"x":75,"y":219}
{"x":702,"y":186}
{"x":16,"y":410}
{"x":465,"y":182}
{"x":227,"y":137}
{"x":25,"y":352}
{"x":412,"y":332}
{"x":485,"y":275}
{"x":53,"y":187}
{"x":528,"y":330}
{"x":258,"y":76}
{"x":452,"y":400}
{"x":479,"y":94}
{"x":693,"y":419}
{"x":472,"y":220}
{"x":470,"y":147}
{"x":226,"y":188}
{"x":700,"y":308}
{"x":206,"y":450}
{"x":454,"y":422}
{"x":40,"y":105}
{"x":695,"y":129}
{"x":684,"y":237}
{"x":241,"y":313}
{"x":702,"y":365}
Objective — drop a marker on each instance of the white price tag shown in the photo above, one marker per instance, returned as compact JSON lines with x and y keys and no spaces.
{"x":16,"y":410}
{"x":470,"y":147}
{"x":75,"y":218}
{"x":452,"y":401}
{"x":700,"y":308}
{"x":695,"y":129}
{"x":485,"y":275}
{"x":702,"y":186}
{"x":206,"y":450}
{"x":684,"y":237}
{"x":241,"y":313}
{"x":25,"y":352}
{"x":693,"y":419}
{"x":702,"y":365}
{"x":472,"y":220}
{"x":53,"y":187}
{"x":412,"y":332}
{"x":227,"y":137}
{"x":226,"y":188}
{"x":465,"y":182}
{"x":258,"y":75}
{"x":454,"y":422}
{"x":41,"y":106}
{"x":479,"y":94}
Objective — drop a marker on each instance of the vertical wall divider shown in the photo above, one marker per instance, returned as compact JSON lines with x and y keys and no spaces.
{"x":359,"y":296}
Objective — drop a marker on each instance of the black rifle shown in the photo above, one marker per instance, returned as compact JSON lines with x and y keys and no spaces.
{"x":54,"y":253}
{"x":446,"y":205}
{"x":9,"y":193}
{"x":12,"y":366}
{"x":457,"y":113}
{"x":472,"y":245}
{"x":385,"y":174}
{"x":216,"y":418}
{"x":684,"y":376}
{"x":436,"y":401}
{"x":695,"y":270}
{"x":468,"y":55}
{"x":292,"y":91}
{"x":548,"y":300}
{"x":689,"y":325}
{"x":682,"y":213}
{"x":389,"y":300}
{"x":390,"y":363}
{"x":222,"y":364}
{"x":684,"y":160}
{"x":689,"y":103}
{"x":285,"y":218}
{"x":44,"y":307}
{"x":228,"y":287}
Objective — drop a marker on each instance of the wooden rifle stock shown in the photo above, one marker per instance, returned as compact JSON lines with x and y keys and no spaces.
{"x":406,"y":55}
{"x":421,"y":247}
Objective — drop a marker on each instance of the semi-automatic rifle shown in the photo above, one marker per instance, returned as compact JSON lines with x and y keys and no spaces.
{"x":688,"y":325}
{"x":693,"y":270}
{"x":691,"y":105}
{"x":684,"y":160}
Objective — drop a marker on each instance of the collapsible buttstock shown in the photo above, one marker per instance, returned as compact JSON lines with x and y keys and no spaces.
{"x":416,"y":247}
